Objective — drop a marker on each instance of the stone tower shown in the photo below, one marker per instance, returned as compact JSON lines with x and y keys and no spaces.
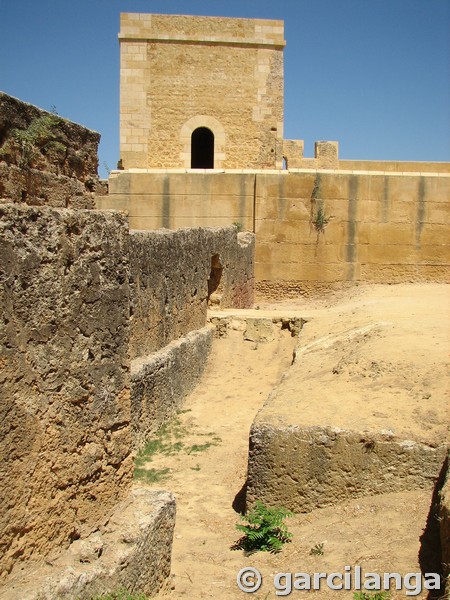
{"x":201,"y":92}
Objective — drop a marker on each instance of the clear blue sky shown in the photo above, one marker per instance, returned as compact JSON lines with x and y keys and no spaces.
{"x":371,"y":74}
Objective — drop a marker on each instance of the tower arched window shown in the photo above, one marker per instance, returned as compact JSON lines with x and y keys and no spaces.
{"x":202,"y":148}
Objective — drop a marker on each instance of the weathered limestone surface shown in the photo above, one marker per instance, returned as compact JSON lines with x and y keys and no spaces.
{"x":444,"y":521}
{"x":304,"y":468}
{"x":160,"y":381}
{"x":345,"y":421}
{"x":376,"y":227}
{"x":45,"y":159}
{"x":65,"y":435}
{"x":131,"y":551}
{"x":172,"y":279}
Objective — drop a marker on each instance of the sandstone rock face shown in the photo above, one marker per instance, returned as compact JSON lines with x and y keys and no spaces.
{"x":312,"y":467}
{"x":65,"y":434}
{"x":173,"y":275}
{"x":160,"y":381}
{"x":131,"y":551}
{"x":444,"y":520}
{"x":45,"y":159}
{"x":362,"y":410}
{"x":67,"y":309}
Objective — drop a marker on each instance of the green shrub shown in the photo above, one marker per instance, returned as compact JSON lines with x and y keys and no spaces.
{"x":371,"y":596}
{"x":264,"y":531}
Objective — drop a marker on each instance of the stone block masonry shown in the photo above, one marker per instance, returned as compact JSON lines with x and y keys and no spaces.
{"x":180,"y":73}
{"x":161,"y":381}
{"x":65,"y":436}
{"x":315,"y":229}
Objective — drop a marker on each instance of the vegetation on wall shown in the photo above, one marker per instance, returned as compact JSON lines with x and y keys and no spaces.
{"x":319,"y":219}
{"x":39,"y":137}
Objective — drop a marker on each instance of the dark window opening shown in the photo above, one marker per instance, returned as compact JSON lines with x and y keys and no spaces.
{"x":202,"y":149}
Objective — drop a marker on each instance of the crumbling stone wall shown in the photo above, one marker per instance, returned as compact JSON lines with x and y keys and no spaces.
{"x":64,"y":380}
{"x":444,"y":522}
{"x":45,"y":159}
{"x":161,"y":381}
{"x":174,"y":275}
{"x":169,"y":275}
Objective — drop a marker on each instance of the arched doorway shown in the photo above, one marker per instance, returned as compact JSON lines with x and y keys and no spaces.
{"x":202,"y":148}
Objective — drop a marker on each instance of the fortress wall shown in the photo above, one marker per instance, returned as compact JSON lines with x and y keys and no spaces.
{"x":174,"y":200}
{"x":45,"y":159}
{"x":378,"y":227}
{"x":396,"y":166}
{"x":171,"y":279}
{"x":65,"y":438}
{"x":381,"y":228}
{"x":67,"y":282}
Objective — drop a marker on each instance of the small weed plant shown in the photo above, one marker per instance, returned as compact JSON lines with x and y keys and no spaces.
{"x":317,"y":550}
{"x":371,"y":596}
{"x":38,"y":137}
{"x":320,"y":220}
{"x":264,"y":531}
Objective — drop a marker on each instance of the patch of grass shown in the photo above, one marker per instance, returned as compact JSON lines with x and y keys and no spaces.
{"x":39,"y":135}
{"x":168,"y":442}
{"x":120,"y":595}
{"x":265,"y":530}
{"x":151,"y":475}
{"x":201,"y":447}
{"x":196,"y":468}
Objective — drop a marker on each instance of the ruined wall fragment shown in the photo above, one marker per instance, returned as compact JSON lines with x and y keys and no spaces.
{"x":169,"y":275}
{"x":45,"y":159}
{"x":65,"y":408}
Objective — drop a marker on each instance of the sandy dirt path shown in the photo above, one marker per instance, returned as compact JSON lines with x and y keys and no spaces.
{"x":207,"y":470}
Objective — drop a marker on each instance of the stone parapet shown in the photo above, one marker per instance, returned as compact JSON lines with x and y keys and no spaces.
{"x":175,"y":275}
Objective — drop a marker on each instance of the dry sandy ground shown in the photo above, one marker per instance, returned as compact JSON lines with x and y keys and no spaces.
{"x":208,"y":467}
